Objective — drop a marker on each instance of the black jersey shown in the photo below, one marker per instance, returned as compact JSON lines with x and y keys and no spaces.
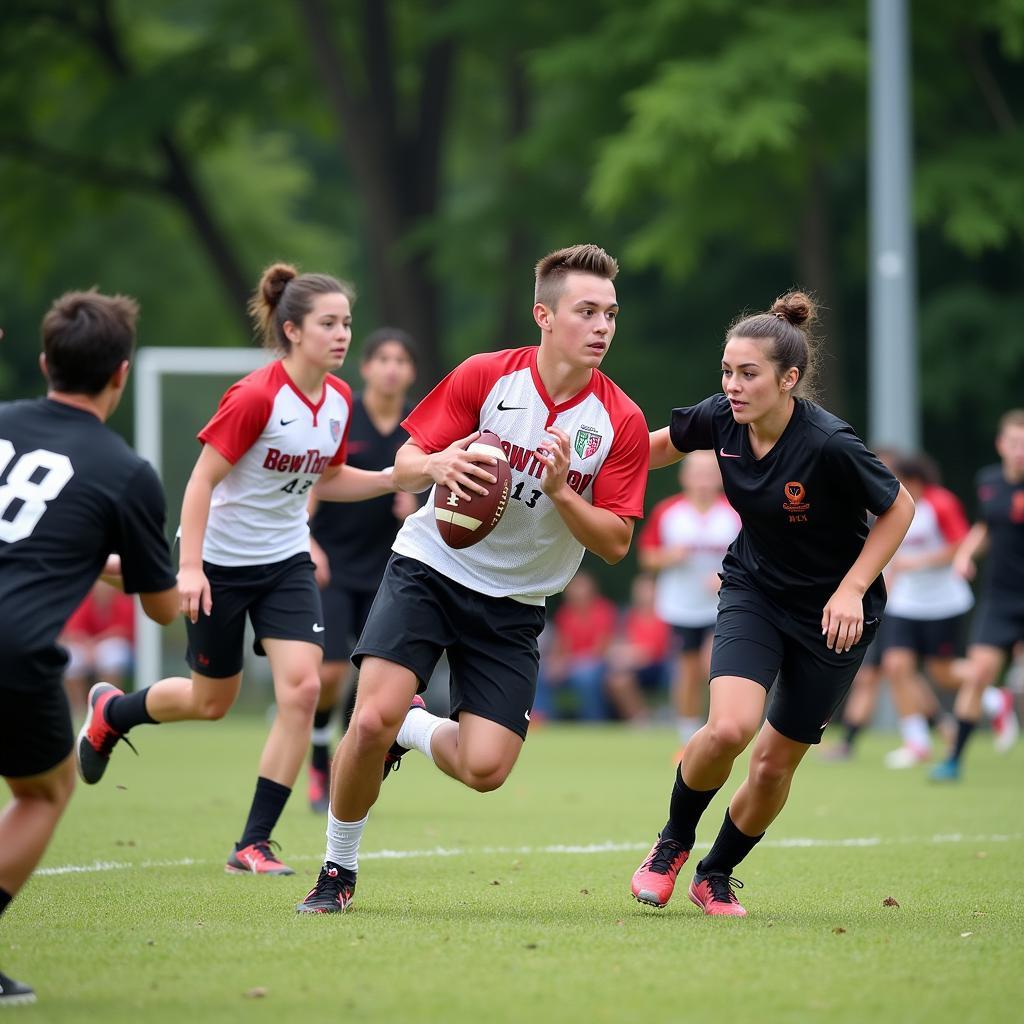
{"x":71,"y":493}
{"x":804,"y":505}
{"x":357,"y":536}
{"x":1001,"y":509}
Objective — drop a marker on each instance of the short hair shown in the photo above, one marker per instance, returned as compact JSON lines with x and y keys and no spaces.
{"x":553,"y":269}
{"x":86,"y":337}
{"x":284,"y":295}
{"x":380,"y":337}
{"x":1013,"y":418}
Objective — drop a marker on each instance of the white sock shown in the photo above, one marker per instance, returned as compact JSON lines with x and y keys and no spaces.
{"x":321,"y":737}
{"x":914,"y":730}
{"x":417,"y":729}
{"x":343,"y":839}
{"x":992,"y":701}
{"x":687,"y":727}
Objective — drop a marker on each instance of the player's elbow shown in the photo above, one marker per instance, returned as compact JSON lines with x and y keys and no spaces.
{"x":161,"y":607}
{"x":615,"y":551}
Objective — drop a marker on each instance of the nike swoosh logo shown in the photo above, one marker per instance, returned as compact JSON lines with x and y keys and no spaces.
{"x":509,"y":408}
{"x":726,"y":455}
{"x":284,"y":423}
{"x":317,"y":628}
{"x":526,"y":715}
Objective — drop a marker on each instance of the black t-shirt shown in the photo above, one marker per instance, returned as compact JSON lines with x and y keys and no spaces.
{"x":804,"y":506}
{"x":1001,"y":509}
{"x":357,"y":536}
{"x":71,"y":493}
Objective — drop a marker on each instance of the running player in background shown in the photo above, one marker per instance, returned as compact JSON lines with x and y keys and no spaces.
{"x":72,"y":492}
{"x":801,"y":591}
{"x":351,"y":543}
{"x":999,"y":619}
{"x":578,"y":451}
{"x":277,"y":433}
{"x":684,"y":542}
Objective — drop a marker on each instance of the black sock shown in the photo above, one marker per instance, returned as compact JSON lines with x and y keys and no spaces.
{"x":5,"y":898}
{"x":320,"y":759}
{"x":684,"y":811}
{"x":963,"y":734}
{"x":126,"y":712}
{"x":267,"y":804}
{"x":728,"y":850}
{"x":852,"y":728}
{"x":934,"y":719}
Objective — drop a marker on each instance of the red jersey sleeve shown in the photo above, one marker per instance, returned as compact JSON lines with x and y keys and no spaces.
{"x":239,"y":420}
{"x":949,"y":513}
{"x":452,"y":409}
{"x":621,"y":483}
{"x":345,"y":391}
{"x":650,"y":536}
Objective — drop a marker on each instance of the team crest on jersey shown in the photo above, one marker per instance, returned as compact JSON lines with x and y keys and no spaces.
{"x":588,"y":441}
{"x":795,"y":497}
{"x":335,"y":430}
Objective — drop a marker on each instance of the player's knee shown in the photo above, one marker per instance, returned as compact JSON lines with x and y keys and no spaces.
{"x":372,"y":728}
{"x":767,"y":772}
{"x":301,"y":696}
{"x":486,"y":780}
{"x":212,"y":707}
{"x":728,"y":736}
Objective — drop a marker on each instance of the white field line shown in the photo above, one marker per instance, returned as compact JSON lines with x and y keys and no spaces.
{"x":558,"y":848}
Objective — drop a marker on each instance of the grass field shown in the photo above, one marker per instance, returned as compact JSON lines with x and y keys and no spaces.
{"x":516,"y":905}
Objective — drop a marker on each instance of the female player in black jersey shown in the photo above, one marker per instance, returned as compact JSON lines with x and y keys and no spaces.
{"x":801,"y":593}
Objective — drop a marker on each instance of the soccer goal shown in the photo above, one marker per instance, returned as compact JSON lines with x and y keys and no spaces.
{"x":176,"y":392}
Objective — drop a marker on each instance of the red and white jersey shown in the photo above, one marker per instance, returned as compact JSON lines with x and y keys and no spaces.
{"x":531,"y":554}
{"x":278,"y":443}
{"x":684,"y":593}
{"x":937,"y":593}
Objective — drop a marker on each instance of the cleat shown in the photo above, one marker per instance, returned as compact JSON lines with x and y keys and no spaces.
{"x":1006,"y":725}
{"x":393,"y":758}
{"x":14,"y":993}
{"x":655,"y":879}
{"x":319,"y":797}
{"x":907,"y":756}
{"x":945,"y":771}
{"x":332,"y":893}
{"x":256,"y":859}
{"x":97,"y":737}
{"x":713,"y":893}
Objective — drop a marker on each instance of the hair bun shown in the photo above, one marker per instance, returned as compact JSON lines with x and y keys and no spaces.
{"x":273,"y":282}
{"x":795,"y":307}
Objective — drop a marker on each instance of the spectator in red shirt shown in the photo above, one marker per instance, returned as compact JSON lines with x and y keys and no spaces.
{"x":638,"y":660}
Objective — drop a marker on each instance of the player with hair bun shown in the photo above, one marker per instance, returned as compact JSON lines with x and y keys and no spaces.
{"x":278,"y":434}
{"x":801,"y":591}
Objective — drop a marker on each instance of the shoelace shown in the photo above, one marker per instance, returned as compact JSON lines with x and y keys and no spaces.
{"x":330,"y":882}
{"x":265,"y":847}
{"x":722,"y":886}
{"x":110,"y":739}
{"x":664,"y":854}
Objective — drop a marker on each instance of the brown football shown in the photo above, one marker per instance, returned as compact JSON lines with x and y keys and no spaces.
{"x":463,"y":523}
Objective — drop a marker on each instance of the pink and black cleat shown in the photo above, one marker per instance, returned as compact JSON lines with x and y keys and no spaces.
{"x":713,"y":893}
{"x":97,"y":737}
{"x":332,"y":893}
{"x":256,"y":859}
{"x":655,"y":879}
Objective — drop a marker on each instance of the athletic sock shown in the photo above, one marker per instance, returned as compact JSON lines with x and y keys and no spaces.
{"x":852,"y":729}
{"x":963,"y":734}
{"x":687,"y":728}
{"x":267,"y":804}
{"x":684,"y":811}
{"x":343,"y":838}
{"x":5,"y":898}
{"x":728,"y":850}
{"x":914,"y":730}
{"x":128,"y":711}
{"x":417,"y":729}
{"x":320,"y":738}
{"x":992,"y":701}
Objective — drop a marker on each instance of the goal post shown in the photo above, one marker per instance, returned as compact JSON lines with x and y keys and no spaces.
{"x":152,"y":367}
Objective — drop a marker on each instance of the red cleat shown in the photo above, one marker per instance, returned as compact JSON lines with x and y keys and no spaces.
{"x":713,"y":893}
{"x":256,"y":859}
{"x":655,"y":879}
{"x":393,"y":758}
{"x":319,"y":797}
{"x":97,"y":736}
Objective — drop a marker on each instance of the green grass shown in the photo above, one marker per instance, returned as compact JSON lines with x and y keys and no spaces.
{"x":506,"y":929}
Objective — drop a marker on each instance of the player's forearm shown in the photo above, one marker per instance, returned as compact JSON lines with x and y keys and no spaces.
{"x":351,"y":484}
{"x":411,"y":471}
{"x":597,"y":529}
{"x":195,"y":510}
{"x":975,"y":543}
{"x":882,"y":543}
{"x":663,"y":451}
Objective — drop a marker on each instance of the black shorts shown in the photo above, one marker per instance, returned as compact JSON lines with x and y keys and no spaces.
{"x":283,"y":603}
{"x":691,"y":638}
{"x":491,"y":641}
{"x":35,"y":726}
{"x":345,"y":614}
{"x":873,"y":655}
{"x":997,"y":623}
{"x":927,"y":638}
{"x":756,"y":639}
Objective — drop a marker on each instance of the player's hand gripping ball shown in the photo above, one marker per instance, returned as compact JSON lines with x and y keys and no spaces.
{"x":463,"y":522}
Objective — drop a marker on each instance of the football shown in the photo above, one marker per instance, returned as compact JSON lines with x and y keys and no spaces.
{"x":463,"y":523}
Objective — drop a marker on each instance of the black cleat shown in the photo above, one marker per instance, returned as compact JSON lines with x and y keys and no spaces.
{"x":14,"y":993}
{"x":393,"y":758}
{"x":332,"y":893}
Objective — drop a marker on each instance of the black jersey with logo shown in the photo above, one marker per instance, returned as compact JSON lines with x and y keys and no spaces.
{"x":71,"y":493}
{"x":1001,"y":509}
{"x":804,"y":505}
{"x":357,"y":536}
